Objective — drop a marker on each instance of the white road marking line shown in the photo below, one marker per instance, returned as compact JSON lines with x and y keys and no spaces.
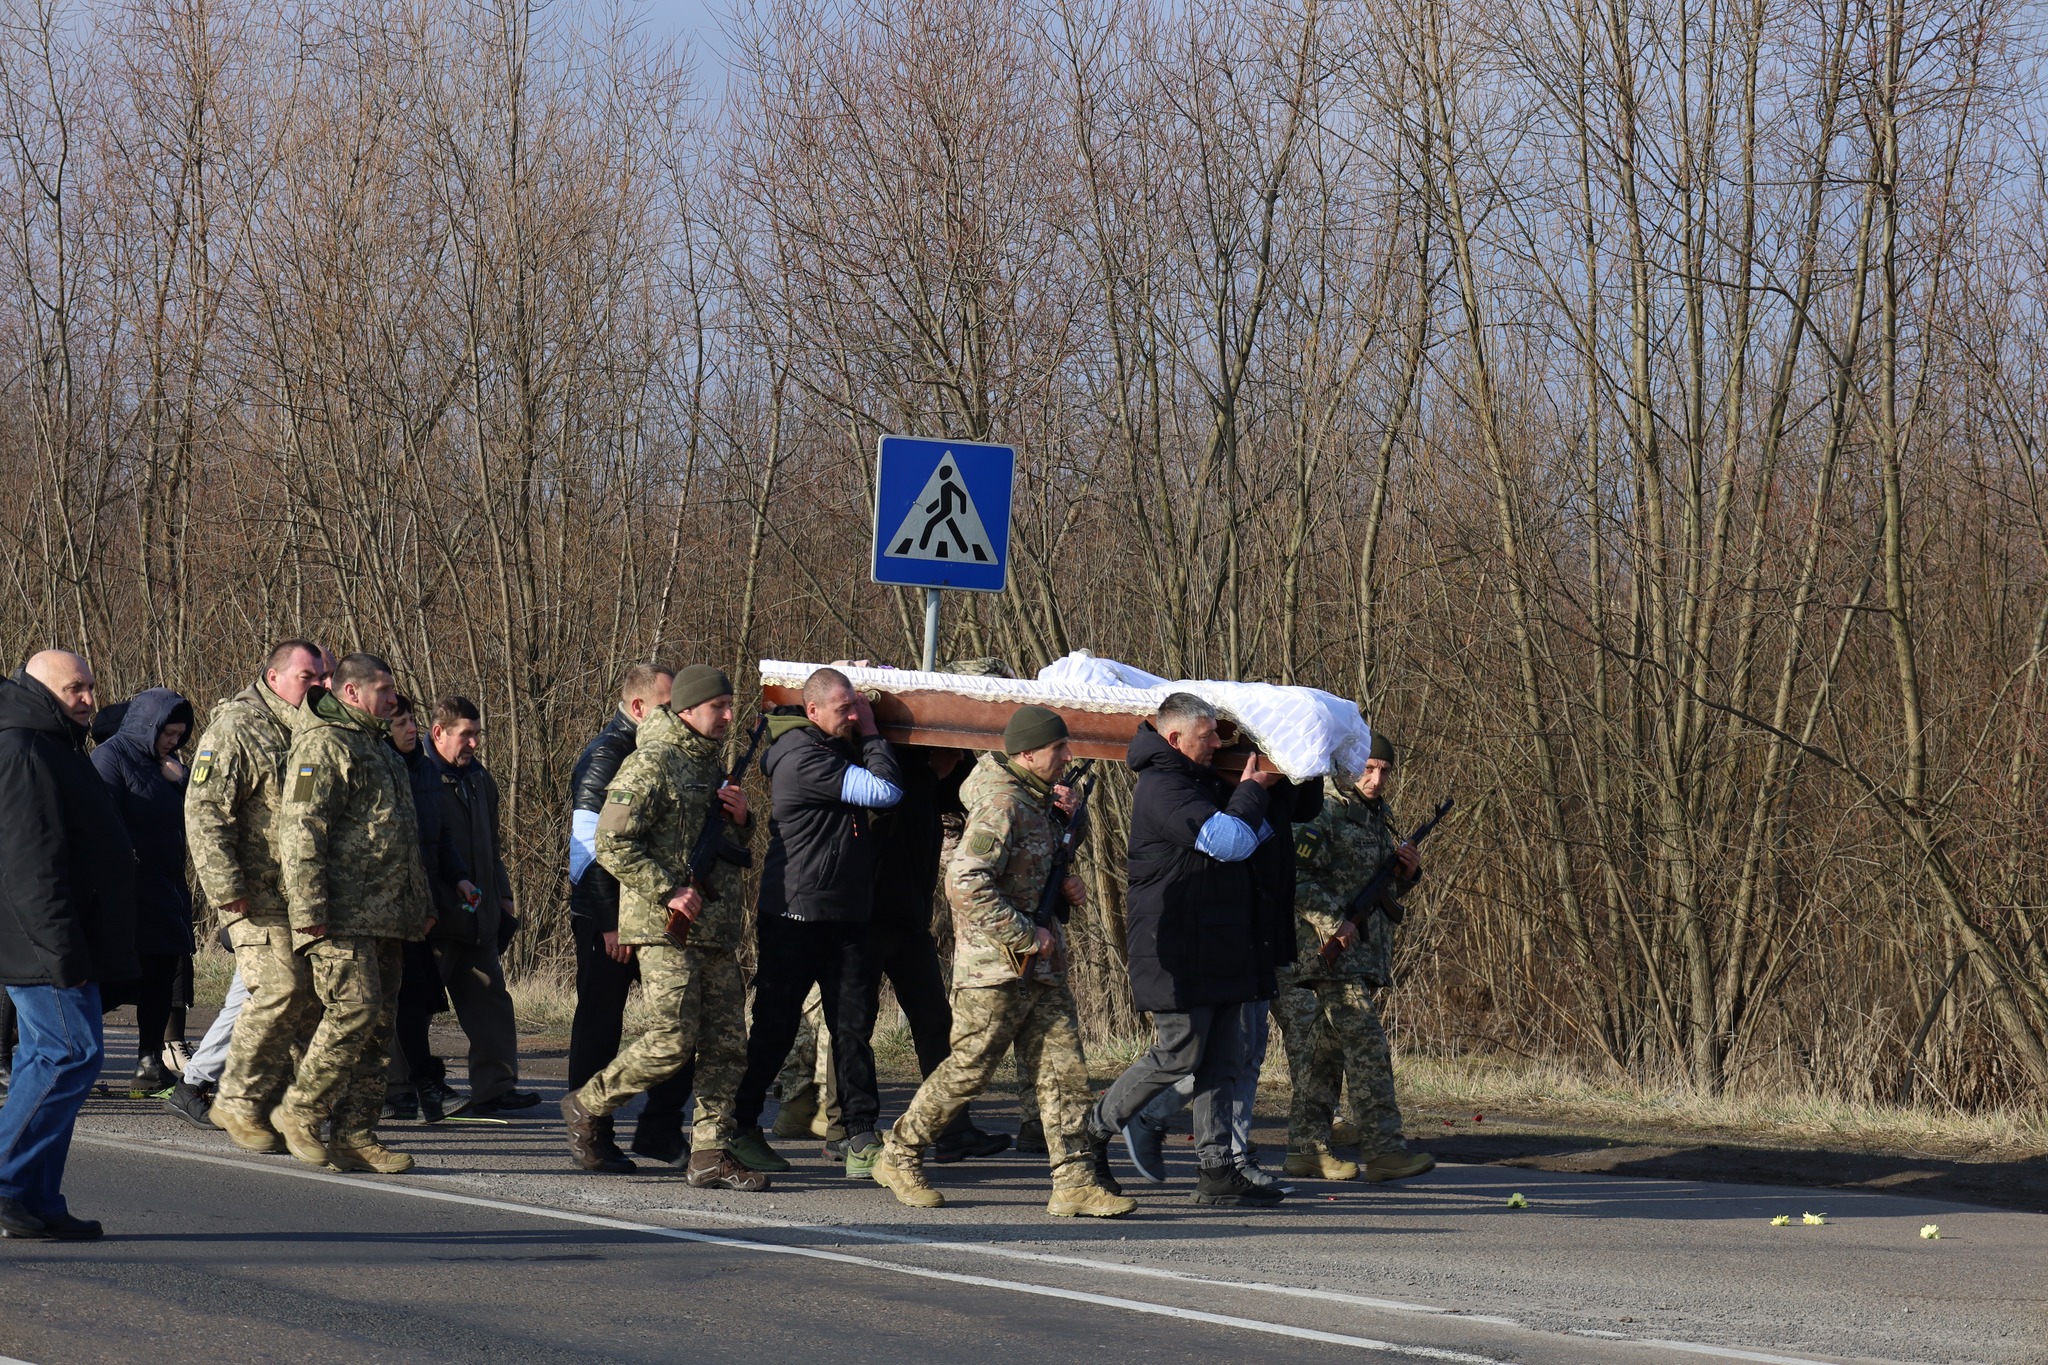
{"x":184,"y":1153}
{"x":810,"y":1253}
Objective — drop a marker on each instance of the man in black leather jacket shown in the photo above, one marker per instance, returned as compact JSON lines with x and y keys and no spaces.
{"x":604,"y":966}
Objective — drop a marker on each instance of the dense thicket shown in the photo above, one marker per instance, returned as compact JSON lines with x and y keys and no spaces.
{"x":1638,"y":405}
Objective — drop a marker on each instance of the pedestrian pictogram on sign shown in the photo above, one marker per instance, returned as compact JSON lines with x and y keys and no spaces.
{"x":942,"y":513}
{"x":942,"y":523}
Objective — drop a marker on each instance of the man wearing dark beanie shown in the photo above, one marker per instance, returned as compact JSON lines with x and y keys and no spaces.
{"x":1009,"y":975}
{"x":686,"y":926}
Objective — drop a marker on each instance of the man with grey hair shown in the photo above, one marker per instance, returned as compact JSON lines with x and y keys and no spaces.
{"x":67,"y":924}
{"x":1193,"y":943}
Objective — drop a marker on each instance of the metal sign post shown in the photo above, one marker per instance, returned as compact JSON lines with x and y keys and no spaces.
{"x":942,"y":520}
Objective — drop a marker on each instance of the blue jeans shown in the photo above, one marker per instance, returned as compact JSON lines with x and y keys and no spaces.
{"x":1168,"y":1102}
{"x":55,"y":1066}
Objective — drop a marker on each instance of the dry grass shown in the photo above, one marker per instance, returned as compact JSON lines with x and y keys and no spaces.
{"x":1553,"y":1094}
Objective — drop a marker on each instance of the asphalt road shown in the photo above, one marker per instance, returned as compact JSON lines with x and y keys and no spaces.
{"x":493,"y":1249}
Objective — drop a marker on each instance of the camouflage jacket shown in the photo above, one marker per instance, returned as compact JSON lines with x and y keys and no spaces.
{"x":347,"y":831}
{"x":231,"y":802}
{"x":1334,"y":854}
{"x":998,"y":873}
{"x":653,"y":814}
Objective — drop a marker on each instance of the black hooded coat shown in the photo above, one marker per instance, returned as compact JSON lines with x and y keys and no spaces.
{"x":67,"y":870}
{"x":1190,"y":918}
{"x":152,"y":808}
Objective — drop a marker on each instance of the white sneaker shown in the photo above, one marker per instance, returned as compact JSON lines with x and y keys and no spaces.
{"x":177,"y":1056}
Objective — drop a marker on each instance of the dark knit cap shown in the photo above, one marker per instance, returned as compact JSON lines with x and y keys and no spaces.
{"x":698,"y":684}
{"x":1382,"y":747}
{"x":1033,"y":727}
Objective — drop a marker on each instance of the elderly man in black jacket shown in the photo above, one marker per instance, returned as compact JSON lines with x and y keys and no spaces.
{"x":604,"y":966}
{"x":1197,"y":954}
{"x":67,"y":923}
{"x":827,"y":769}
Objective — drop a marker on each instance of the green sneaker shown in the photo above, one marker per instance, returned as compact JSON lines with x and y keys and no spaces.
{"x":752,"y":1151}
{"x":862,"y":1151}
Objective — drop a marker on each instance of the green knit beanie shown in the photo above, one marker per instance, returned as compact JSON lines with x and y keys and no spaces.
{"x":1032,"y":727}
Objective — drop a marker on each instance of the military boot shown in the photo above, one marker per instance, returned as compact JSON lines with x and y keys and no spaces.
{"x":301,"y":1134}
{"x":1098,"y":1155}
{"x":362,"y":1152}
{"x":797,"y":1117}
{"x":716,"y":1170}
{"x":591,"y":1144}
{"x":1320,"y":1165}
{"x":1398,"y":1165}
{"x":902,"y":1173}
{"x":250,"y":1134}
{"x":1031,"y":1137}
{"x":1088,"y":1201}
{"x":1343,"y":1132}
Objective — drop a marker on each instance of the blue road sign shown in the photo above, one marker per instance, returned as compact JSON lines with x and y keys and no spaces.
{"x":942,"y":513}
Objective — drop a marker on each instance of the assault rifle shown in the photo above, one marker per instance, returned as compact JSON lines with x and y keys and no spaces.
{"x":1382,"y":892}
{"x":713,"y":846}
{"x":1052,"y":900}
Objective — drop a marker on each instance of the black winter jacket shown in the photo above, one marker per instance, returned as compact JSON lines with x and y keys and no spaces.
{"x":439,"y":853}
{"x":1190,"y":918}
{"x":909,"y":838}
{"x":67,"y":870}
{"x":595,"y":896}
{"x":1287,"y":804}
{"x":820,"y":865}
{"x":152,"y":807}
{"x":468,"y":800}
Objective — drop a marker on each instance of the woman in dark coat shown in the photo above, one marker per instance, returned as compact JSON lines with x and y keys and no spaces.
{"x":140,"y":766}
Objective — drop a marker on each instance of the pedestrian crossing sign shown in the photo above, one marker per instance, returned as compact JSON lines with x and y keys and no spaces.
{"x":942,"y":513}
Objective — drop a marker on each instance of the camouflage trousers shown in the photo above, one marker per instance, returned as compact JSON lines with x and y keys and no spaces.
{"x":1333,"y":1034}
{"x":697,"y":999}
{"x":1039,"y":1020}
{"x":356,"y":978}
{"x":809,"y":1064}
{"x":280,"y":1009}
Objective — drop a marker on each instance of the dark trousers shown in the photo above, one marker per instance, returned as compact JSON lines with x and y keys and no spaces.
{"x":468,"y":978}
{"x":907,"y":957}
{"x":1206,"y":1042}
{"x":159,"y":995}
{"x":599,"y":1023}
{"x":795,"y":956}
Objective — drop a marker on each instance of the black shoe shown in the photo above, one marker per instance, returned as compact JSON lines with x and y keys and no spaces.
{"x":191,"y":1103}
{"x":835,"y":1149}
{"x":65,"y":1228}
{"x":438,"y":1100}
{"x":667,"y":1148}
{"x":506,"y":1103}
{"x":17,"y":1221}
{"x":404,"y":1106}
{"x":150,"y":1079}
{"x":1098,"y":1152}
{"x":1226,"y":1186}
{"x":968,"y":1142}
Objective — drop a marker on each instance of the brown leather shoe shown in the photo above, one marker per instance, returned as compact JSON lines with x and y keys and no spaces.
{"x":716,"y":1170}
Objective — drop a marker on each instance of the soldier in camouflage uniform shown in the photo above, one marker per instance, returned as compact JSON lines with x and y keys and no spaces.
{"x":654,"y":813}
{"x":1332,"y":1025}
{"x":356,"y":890}
{"x":231,"y":807}
{"x":1009,"y":975}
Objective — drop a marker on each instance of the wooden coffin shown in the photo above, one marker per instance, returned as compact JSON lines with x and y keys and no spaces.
{"x":951,"y":720}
